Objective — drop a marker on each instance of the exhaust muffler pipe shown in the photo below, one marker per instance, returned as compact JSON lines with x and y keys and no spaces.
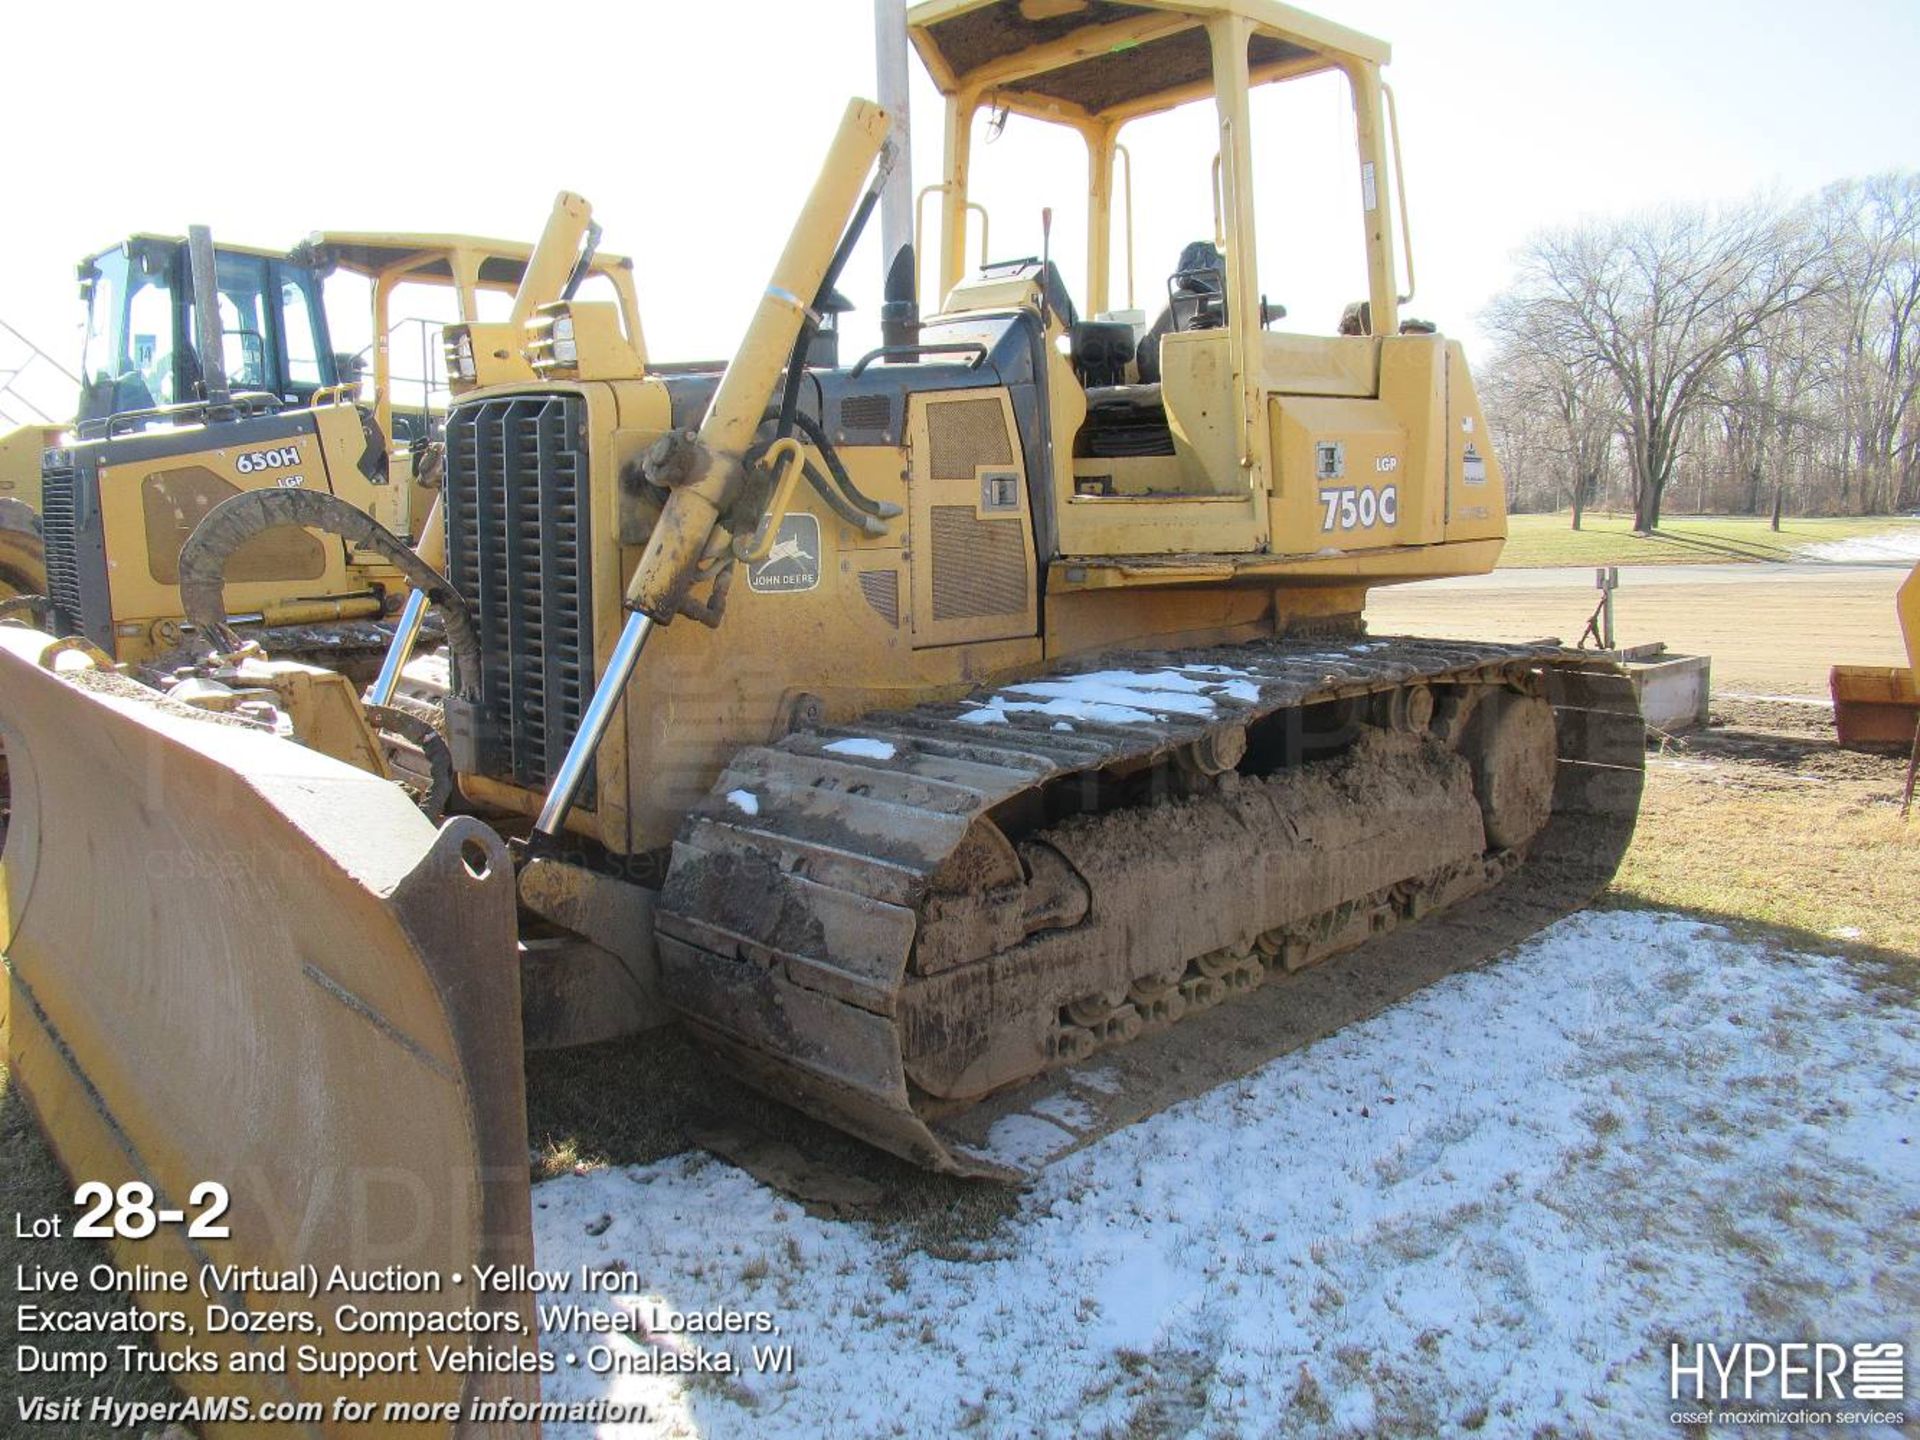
{"x":212,"y":348}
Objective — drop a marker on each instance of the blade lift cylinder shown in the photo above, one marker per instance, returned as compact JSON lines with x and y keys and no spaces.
{"x":684,"y":532}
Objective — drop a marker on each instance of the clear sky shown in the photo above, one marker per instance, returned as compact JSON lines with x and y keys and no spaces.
{"x":695,"y":129}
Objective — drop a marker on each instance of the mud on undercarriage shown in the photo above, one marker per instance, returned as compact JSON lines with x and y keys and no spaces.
{"x":890,"y":922}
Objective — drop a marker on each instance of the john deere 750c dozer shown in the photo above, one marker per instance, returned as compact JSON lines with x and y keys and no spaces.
{"x":997,"y":708}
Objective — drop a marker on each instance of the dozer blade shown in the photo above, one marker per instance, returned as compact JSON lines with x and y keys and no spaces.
{"x":236,"y":960}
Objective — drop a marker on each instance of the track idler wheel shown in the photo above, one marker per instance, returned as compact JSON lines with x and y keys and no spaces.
{"x":1509,"y":742}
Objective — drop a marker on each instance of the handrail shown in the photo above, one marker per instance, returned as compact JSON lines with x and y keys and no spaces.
{"x":919,"y":228}
{"x":1400,"y":186}
{"x":240,"y":402}
{"x":1219,"y":220}
{"x":427,"y":384}
{"x":1127,"y":155}
{"x":947,"y":347}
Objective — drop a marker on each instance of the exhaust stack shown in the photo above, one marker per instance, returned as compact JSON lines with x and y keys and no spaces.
{"x":900,"y":300}
{"x":206,"y":315}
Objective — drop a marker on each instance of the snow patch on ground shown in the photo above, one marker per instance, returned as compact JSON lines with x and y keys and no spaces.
{"x":1104,"y":1080}
{"x":1067,"y":1110}
{"x":1484,"y":1212}
{"x":869,"y":749}
{"x":1023,"y":1140}
{"x":744,"y":801}
{"x":1895,"y":545}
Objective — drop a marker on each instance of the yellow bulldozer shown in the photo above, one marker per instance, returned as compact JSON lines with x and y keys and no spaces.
{"x":910,"y":730}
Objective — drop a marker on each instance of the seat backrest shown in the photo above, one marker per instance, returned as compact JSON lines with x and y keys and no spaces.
{"x":1101,"y":350}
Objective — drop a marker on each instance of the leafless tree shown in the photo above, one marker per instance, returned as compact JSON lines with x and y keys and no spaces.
{"x":1871,"y":230}
{"x":1657,"y":307}
{"x":1771,"y":408}
{"x":1567,"y":391}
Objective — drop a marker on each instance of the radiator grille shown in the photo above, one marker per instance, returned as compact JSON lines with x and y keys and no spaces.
{"x":518,"y":546}
{"x":882,"y":589}
{"x":58,"y":531}
{"x":963,"y":435}
{"x":979,"y":566}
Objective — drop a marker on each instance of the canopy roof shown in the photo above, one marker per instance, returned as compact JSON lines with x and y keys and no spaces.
{"x":173,"y":242}
{"x":1114,"y":59}
{"x":368,"y":252}
{"x":429,"y":257}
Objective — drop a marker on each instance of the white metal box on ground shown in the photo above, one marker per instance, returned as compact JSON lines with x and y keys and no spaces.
{"x":1673,"y":689}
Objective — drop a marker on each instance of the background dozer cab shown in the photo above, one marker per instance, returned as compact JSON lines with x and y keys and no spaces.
{"x":914,"y":729}
{"x":139,"y":352}
{"x":152,"y":451}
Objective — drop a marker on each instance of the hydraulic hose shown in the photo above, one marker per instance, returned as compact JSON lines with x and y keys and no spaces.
{"x":817,"y":433}
{"x":797,"y":365}
{"x":859,"y":510}
{"x":238,"y":518}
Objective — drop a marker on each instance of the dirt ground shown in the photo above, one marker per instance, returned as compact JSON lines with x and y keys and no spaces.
{"x":1777,"y":633}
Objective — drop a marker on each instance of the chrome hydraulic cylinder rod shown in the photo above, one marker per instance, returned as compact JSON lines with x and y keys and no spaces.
{"x":607,"y":696}
{"x":405,"y":633}
{"x":680,"y":536}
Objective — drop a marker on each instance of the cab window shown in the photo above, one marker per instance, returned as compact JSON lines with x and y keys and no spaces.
{"x":242,"y":281}
{"x":297,"y":331}
{"x":147,"y":374}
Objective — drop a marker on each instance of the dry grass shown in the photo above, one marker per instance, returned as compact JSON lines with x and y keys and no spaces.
{"x":1762,"y":821}
{"x":1608,"y":539}
{"x":1776,"y":633}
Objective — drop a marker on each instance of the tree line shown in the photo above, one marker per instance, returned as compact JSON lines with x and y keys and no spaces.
{"x":1760,"y":358}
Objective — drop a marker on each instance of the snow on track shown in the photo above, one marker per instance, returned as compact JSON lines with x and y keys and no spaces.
{"x":1485,"y":1211}
{"x":1117,"y":697}
{"x":861,"y":745}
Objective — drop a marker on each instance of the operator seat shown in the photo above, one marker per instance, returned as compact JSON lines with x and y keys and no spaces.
{"x":1196,"y":300}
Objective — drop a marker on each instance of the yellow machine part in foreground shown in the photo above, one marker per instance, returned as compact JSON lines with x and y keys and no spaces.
{"x":348,"y":1065}
{"x":1878,"y":706}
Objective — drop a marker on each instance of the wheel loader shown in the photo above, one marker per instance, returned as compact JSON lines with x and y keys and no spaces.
{"x":913,"y":731}
{"x":168,"y":425}
{"x":139,"y":354}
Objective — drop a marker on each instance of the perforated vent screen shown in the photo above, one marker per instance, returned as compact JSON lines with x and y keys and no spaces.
{"x":882,"y":589}
{"x":979,"y":566}
{"x":58,"y":524}
{"x":866,"y":412}
{"x":963,"y":435}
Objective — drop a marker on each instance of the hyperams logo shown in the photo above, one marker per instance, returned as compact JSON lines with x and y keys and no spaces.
{"x":1750,"y":1382}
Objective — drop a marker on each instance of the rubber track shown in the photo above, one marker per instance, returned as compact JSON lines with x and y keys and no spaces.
{"x":785,"y":933}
